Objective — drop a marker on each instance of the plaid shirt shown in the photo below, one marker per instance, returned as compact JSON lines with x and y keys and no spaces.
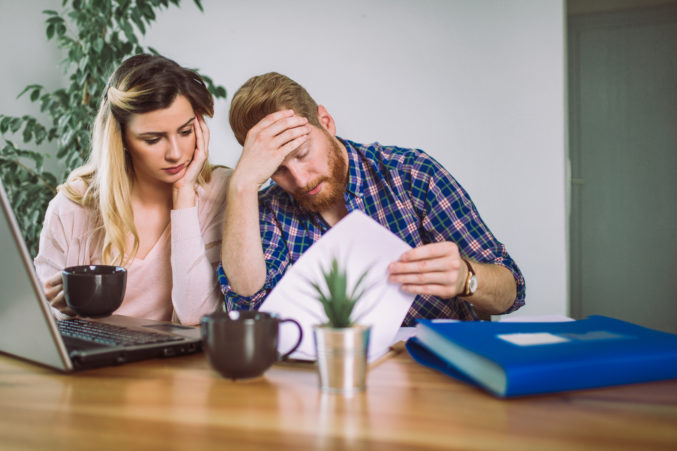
{"x":406,"y":191}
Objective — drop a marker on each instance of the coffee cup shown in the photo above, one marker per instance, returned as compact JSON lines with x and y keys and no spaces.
{"x":243,"y":343}
{"x":94,"y":290}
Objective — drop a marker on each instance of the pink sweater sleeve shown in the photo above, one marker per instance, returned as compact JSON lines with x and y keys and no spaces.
{"x":196,"y":251}
{"x":53,"y":246}
{"x":64,"y":239}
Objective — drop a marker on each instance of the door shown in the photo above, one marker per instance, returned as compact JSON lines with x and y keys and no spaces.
{"x":623,"y":145}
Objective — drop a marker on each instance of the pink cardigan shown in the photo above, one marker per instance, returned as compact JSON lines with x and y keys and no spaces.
{"x":175,"y":281}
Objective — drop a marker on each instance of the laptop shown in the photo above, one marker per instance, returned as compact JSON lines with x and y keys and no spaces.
{"x":28,"y":329}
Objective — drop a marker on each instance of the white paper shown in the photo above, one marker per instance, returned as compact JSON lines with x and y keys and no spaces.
{"x":404,"y":334}
{"x":535,"y":319}
{"x":359,"y":243}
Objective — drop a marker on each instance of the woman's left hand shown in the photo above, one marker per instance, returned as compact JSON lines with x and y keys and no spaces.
{"x":184,"y":188}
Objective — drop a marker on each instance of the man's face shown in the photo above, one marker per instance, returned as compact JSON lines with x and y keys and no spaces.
{"x":316,"y":173}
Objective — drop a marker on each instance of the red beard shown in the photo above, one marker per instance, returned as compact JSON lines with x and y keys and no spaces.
{"x":334,"y":185}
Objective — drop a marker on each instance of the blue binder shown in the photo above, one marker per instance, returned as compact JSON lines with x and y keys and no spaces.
{"x":515,"y":359}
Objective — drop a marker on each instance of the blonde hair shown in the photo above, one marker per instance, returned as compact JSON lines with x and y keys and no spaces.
{"x":265,"y":94}
{"x":141,"y":84}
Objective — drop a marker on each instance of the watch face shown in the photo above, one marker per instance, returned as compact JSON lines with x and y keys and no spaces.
{"x":473,"y":284}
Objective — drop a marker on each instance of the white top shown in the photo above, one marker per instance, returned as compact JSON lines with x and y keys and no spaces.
{"x":175,"y":281}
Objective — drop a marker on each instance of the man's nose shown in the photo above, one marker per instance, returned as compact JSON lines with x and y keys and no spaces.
{"x":299,"y":175}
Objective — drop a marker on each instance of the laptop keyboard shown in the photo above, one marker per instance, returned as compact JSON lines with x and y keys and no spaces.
{"x":108,"y":334}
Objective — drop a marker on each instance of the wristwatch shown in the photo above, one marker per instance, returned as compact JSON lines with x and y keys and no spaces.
{"x":470,"y":285}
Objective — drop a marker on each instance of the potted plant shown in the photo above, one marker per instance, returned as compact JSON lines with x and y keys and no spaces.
{"x":341,"y":344}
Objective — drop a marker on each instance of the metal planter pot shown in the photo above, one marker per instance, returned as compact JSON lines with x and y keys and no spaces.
{"x":342,"y":358}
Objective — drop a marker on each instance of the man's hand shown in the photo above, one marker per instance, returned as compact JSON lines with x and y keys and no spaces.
{"x":435,"y":269}
{"x":54,"y":293}
{"x":267,"y":145}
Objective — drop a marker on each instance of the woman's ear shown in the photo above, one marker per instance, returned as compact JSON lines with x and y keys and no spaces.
{"x":326,"y":120}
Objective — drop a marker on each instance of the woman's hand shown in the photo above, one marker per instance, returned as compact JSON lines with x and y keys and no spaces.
{"x":184,"y":189}
{"x":54,"y":293}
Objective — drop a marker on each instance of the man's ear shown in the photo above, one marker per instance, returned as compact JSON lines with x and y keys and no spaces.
{"x":326,"y":120}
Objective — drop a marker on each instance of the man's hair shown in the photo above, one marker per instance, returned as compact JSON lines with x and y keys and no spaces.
{"x":265,"y":94}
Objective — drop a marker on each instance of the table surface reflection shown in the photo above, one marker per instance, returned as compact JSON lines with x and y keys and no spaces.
{"x":181,"y":403}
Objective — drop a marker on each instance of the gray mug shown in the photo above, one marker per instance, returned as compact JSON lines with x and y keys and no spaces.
{"x":243,"y":344}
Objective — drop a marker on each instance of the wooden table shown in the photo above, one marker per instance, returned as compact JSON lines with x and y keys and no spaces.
{"x":181,"y":403}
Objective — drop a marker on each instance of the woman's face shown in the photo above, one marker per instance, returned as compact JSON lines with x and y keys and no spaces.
{"x":161,"y":143}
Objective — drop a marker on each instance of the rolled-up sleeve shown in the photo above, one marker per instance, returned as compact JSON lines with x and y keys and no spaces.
{"x":448,"y":214}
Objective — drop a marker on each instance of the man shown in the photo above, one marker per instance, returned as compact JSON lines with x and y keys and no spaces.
{"x":456,"y":265}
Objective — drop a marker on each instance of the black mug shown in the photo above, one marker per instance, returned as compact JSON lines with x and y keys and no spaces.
{"x":243,"y":343}
{"x":94,"y":290}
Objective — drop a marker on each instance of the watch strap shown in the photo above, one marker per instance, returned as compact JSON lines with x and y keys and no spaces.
{"x":466,"y":286}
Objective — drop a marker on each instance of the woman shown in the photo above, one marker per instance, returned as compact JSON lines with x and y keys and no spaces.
{"x":147,"y":199}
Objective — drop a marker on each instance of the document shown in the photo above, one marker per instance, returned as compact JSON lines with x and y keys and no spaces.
{"x":534,"y":319}
{"x":359,"y":244}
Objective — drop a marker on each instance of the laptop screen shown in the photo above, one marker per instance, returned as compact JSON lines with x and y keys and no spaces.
{"x":27,"y":328}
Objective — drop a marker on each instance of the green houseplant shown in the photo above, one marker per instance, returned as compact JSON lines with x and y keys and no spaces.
{"x":95,"y":36}
{"x":341,"y":344}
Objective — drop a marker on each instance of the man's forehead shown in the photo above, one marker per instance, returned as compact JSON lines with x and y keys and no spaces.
{"x":295,"y":152}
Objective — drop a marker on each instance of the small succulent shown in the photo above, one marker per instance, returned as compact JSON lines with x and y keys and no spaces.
{"x":339,"y":301}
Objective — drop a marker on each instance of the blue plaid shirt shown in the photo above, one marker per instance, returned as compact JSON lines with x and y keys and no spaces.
{"x":406,"y":191}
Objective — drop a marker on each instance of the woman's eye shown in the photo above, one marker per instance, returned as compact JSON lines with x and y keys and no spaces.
{"x":186,"y":132}
{"x":152,"y":141}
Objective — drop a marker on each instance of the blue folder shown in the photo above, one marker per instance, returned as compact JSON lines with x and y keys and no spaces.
{"x":515,"y":359}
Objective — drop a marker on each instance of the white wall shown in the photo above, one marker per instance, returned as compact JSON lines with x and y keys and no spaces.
{"x":477,"y":84}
